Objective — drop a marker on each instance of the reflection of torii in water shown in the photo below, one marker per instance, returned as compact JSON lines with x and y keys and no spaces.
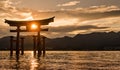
{"x":29,"y":23}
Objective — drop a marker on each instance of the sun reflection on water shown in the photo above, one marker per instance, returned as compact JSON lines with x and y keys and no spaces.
{"x":34,"y":64}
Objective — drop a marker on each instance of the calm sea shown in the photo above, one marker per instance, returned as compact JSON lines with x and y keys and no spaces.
{"x":63,"y":60}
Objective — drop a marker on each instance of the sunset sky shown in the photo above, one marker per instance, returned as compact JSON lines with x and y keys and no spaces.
{"x":71,"y":16}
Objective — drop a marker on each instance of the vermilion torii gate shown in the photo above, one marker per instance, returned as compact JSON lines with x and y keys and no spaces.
{"x":31,"y":26}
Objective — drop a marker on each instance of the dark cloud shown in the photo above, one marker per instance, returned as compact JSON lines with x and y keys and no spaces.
{"x":98,"y":15}
{"x":71,"y":28}
{"x":90,"y":13}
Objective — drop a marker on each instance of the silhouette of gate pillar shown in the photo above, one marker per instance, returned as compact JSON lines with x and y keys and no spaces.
{"x":43,"y":45}
{"x":11,"y":46}
{"x":34,"y":45}
{"x":22,"y":45}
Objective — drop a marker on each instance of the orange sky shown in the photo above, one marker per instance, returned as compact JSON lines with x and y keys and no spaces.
{"x":71,"y":16}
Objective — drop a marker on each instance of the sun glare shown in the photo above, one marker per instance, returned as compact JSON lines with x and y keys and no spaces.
{"x":34,"y":26}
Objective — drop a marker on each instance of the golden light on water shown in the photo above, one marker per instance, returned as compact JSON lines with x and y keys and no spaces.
{"x":33,"y":62}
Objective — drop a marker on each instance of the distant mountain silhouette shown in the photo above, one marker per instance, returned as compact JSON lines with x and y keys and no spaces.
{"x":92,"y":41}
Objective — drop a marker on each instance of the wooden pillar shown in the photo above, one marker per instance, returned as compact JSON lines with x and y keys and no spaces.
{"x":17,"y":43}
{"x":22,"y":46}
{"x":39,"y":45}
{"x":11,"y":46}
{"x":43,"y":45}
{"x":34,"y":46}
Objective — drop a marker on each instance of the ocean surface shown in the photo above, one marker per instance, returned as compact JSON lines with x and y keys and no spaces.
{"x":63,"y":60}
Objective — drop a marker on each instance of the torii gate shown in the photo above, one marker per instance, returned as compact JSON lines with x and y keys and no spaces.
{"x":28,"y":25}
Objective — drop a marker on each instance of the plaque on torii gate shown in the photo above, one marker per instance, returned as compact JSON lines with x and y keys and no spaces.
{"x":31,"y":26}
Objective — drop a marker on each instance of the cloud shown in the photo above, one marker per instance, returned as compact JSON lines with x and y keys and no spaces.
{"x":9,"y":11}
{"x":67,"y":22}
{"x":71,"y":28}
{"x":71,"y":3}
{"x":82,"y":14}
{"x":102,"y":8}
{"x":84,"y":20}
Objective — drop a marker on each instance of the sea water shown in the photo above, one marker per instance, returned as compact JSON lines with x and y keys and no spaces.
{"x":62,"y":60}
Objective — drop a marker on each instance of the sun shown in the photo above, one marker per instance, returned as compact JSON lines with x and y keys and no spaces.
{"x":34,"y":26}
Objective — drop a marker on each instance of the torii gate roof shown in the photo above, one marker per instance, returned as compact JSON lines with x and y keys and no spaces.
{"x":26,"y":22}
